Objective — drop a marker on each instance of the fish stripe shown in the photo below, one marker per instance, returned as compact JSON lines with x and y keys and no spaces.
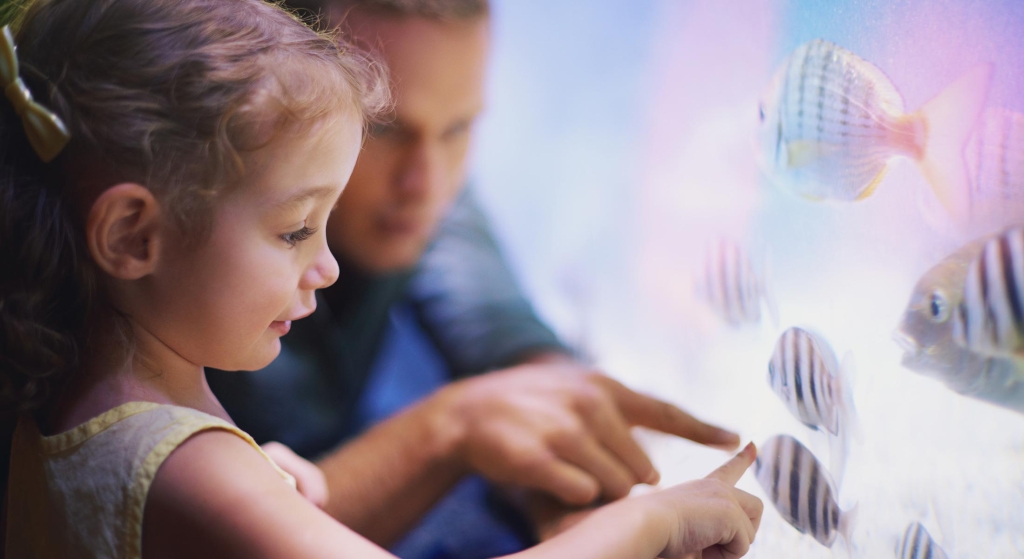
{"x":798,"y":357}
{"x":997,"y":307}
{"x":794,"y":484}
{"x":815,"y":371}
{"x":776,"y":467}
{"x":821,"y":95}
{"x":1010,"y":281}
{"x":800,"y":89}
{"x":812,"y":504}
{"x":986,"y":319}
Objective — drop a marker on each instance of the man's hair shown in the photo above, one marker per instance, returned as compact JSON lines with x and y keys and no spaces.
{"x":434,"y":9}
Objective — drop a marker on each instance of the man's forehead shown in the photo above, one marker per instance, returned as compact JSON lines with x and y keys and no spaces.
{"x":438,"y":68}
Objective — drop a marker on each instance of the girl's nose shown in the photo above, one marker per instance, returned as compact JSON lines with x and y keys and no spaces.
{"x":322,"y":273}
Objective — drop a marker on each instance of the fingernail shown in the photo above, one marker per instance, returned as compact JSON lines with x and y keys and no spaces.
{"x":750,"y":450}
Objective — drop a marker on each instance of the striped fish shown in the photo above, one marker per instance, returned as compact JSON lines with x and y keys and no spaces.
{"x":830,"y":122}
{"x":731,"y":286}
{"x":926,"y":335}
{"x":990,"y":318}
{"x":801,"y":490}
{"x":804,"y":373}
{"x":917,"y":543}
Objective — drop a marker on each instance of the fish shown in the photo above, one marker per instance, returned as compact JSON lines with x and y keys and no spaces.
{"x":801,"y":490}
{"x":990,"y":317}
{"x":917,"y":543}
{"x":804,"y":373}
{"x":731,"y":286}
{"x":995,"y":156}
{"x":995,"y":166}
{"x":925,"y":333}
{"x":830,"y":122}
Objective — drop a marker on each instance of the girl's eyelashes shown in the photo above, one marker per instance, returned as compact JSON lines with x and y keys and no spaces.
{"x":297,"y":237}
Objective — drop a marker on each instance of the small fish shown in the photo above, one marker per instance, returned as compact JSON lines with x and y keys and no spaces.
{"x":917,"y":543}
{"x":801,"y":490}
{"x":990,"y":318}
{"x":830,"y":122}
{"x":731,"y":286}
{"x":926,"y":335}
{"x":806,"y":376}
{"x":804,"y":373}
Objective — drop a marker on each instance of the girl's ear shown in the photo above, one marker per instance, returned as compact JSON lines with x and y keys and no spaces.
{"x":123,"y":231}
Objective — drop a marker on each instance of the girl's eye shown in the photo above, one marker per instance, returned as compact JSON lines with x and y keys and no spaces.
{"x":297,"y":237}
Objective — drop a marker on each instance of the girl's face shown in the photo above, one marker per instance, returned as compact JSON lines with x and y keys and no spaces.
{"x":227,"y":302}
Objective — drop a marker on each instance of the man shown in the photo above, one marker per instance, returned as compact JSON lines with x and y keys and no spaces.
{"x":420,"y":309}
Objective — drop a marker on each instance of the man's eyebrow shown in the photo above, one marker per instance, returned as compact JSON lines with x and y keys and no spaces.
{"x":322,"y":191}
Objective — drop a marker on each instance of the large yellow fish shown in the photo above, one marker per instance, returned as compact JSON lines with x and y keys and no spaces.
{"x":830,"y":122}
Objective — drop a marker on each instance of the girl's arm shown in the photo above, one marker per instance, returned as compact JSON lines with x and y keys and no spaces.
{"x":707,"y":515}
{"x":215,"y":496}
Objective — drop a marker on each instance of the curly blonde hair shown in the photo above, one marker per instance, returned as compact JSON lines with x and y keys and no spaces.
{"x":166,"y":93}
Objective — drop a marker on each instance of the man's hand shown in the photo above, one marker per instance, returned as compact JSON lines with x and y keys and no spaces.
{"x":563,"y":430}
{"x":309,"y":479}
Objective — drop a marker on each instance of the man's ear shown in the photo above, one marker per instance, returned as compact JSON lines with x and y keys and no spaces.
{"x":123,"y":231}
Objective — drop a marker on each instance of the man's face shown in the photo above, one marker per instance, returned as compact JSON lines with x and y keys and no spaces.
{"x":413,"y":166}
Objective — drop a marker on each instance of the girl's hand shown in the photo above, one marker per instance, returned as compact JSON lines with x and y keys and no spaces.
{"x":309,"y":479}
{"x":714,"y":520}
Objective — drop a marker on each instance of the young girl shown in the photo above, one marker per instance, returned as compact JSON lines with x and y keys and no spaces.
{"x":166,"y":171}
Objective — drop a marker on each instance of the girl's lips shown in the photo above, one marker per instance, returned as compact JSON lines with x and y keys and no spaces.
{"x":281,"y":326}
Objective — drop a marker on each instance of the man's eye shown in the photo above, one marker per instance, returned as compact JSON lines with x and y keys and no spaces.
{"x":457,"y":130}
{"x":297,"y":237}
{"x":381,"y":129}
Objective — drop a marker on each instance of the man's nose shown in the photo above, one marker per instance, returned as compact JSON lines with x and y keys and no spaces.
{"x":421,"y":176}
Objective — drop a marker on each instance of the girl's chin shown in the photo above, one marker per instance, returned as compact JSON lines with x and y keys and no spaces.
{"x":263,"y":354}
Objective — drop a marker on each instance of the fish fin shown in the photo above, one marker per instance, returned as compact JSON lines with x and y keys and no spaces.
{"x":847,"y":521}
{"x":870,"y":189}
{"x":810,"y":198}
{"x":837,"y":450}
{"x":848,"y":428}
{"x":849,"y":421}
{"x":801,"y":153}
{"x":949,"y":119}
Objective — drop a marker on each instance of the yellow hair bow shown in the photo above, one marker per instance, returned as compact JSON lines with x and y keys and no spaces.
{"x":45,"y":131}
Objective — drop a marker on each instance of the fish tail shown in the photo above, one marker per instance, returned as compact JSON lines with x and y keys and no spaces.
{"x":948,"y":120}
{"x":849,"y":421}
{"x":847,"y":521}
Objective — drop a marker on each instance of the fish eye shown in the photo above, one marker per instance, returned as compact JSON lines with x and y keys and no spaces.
{"x":938,"y":307}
